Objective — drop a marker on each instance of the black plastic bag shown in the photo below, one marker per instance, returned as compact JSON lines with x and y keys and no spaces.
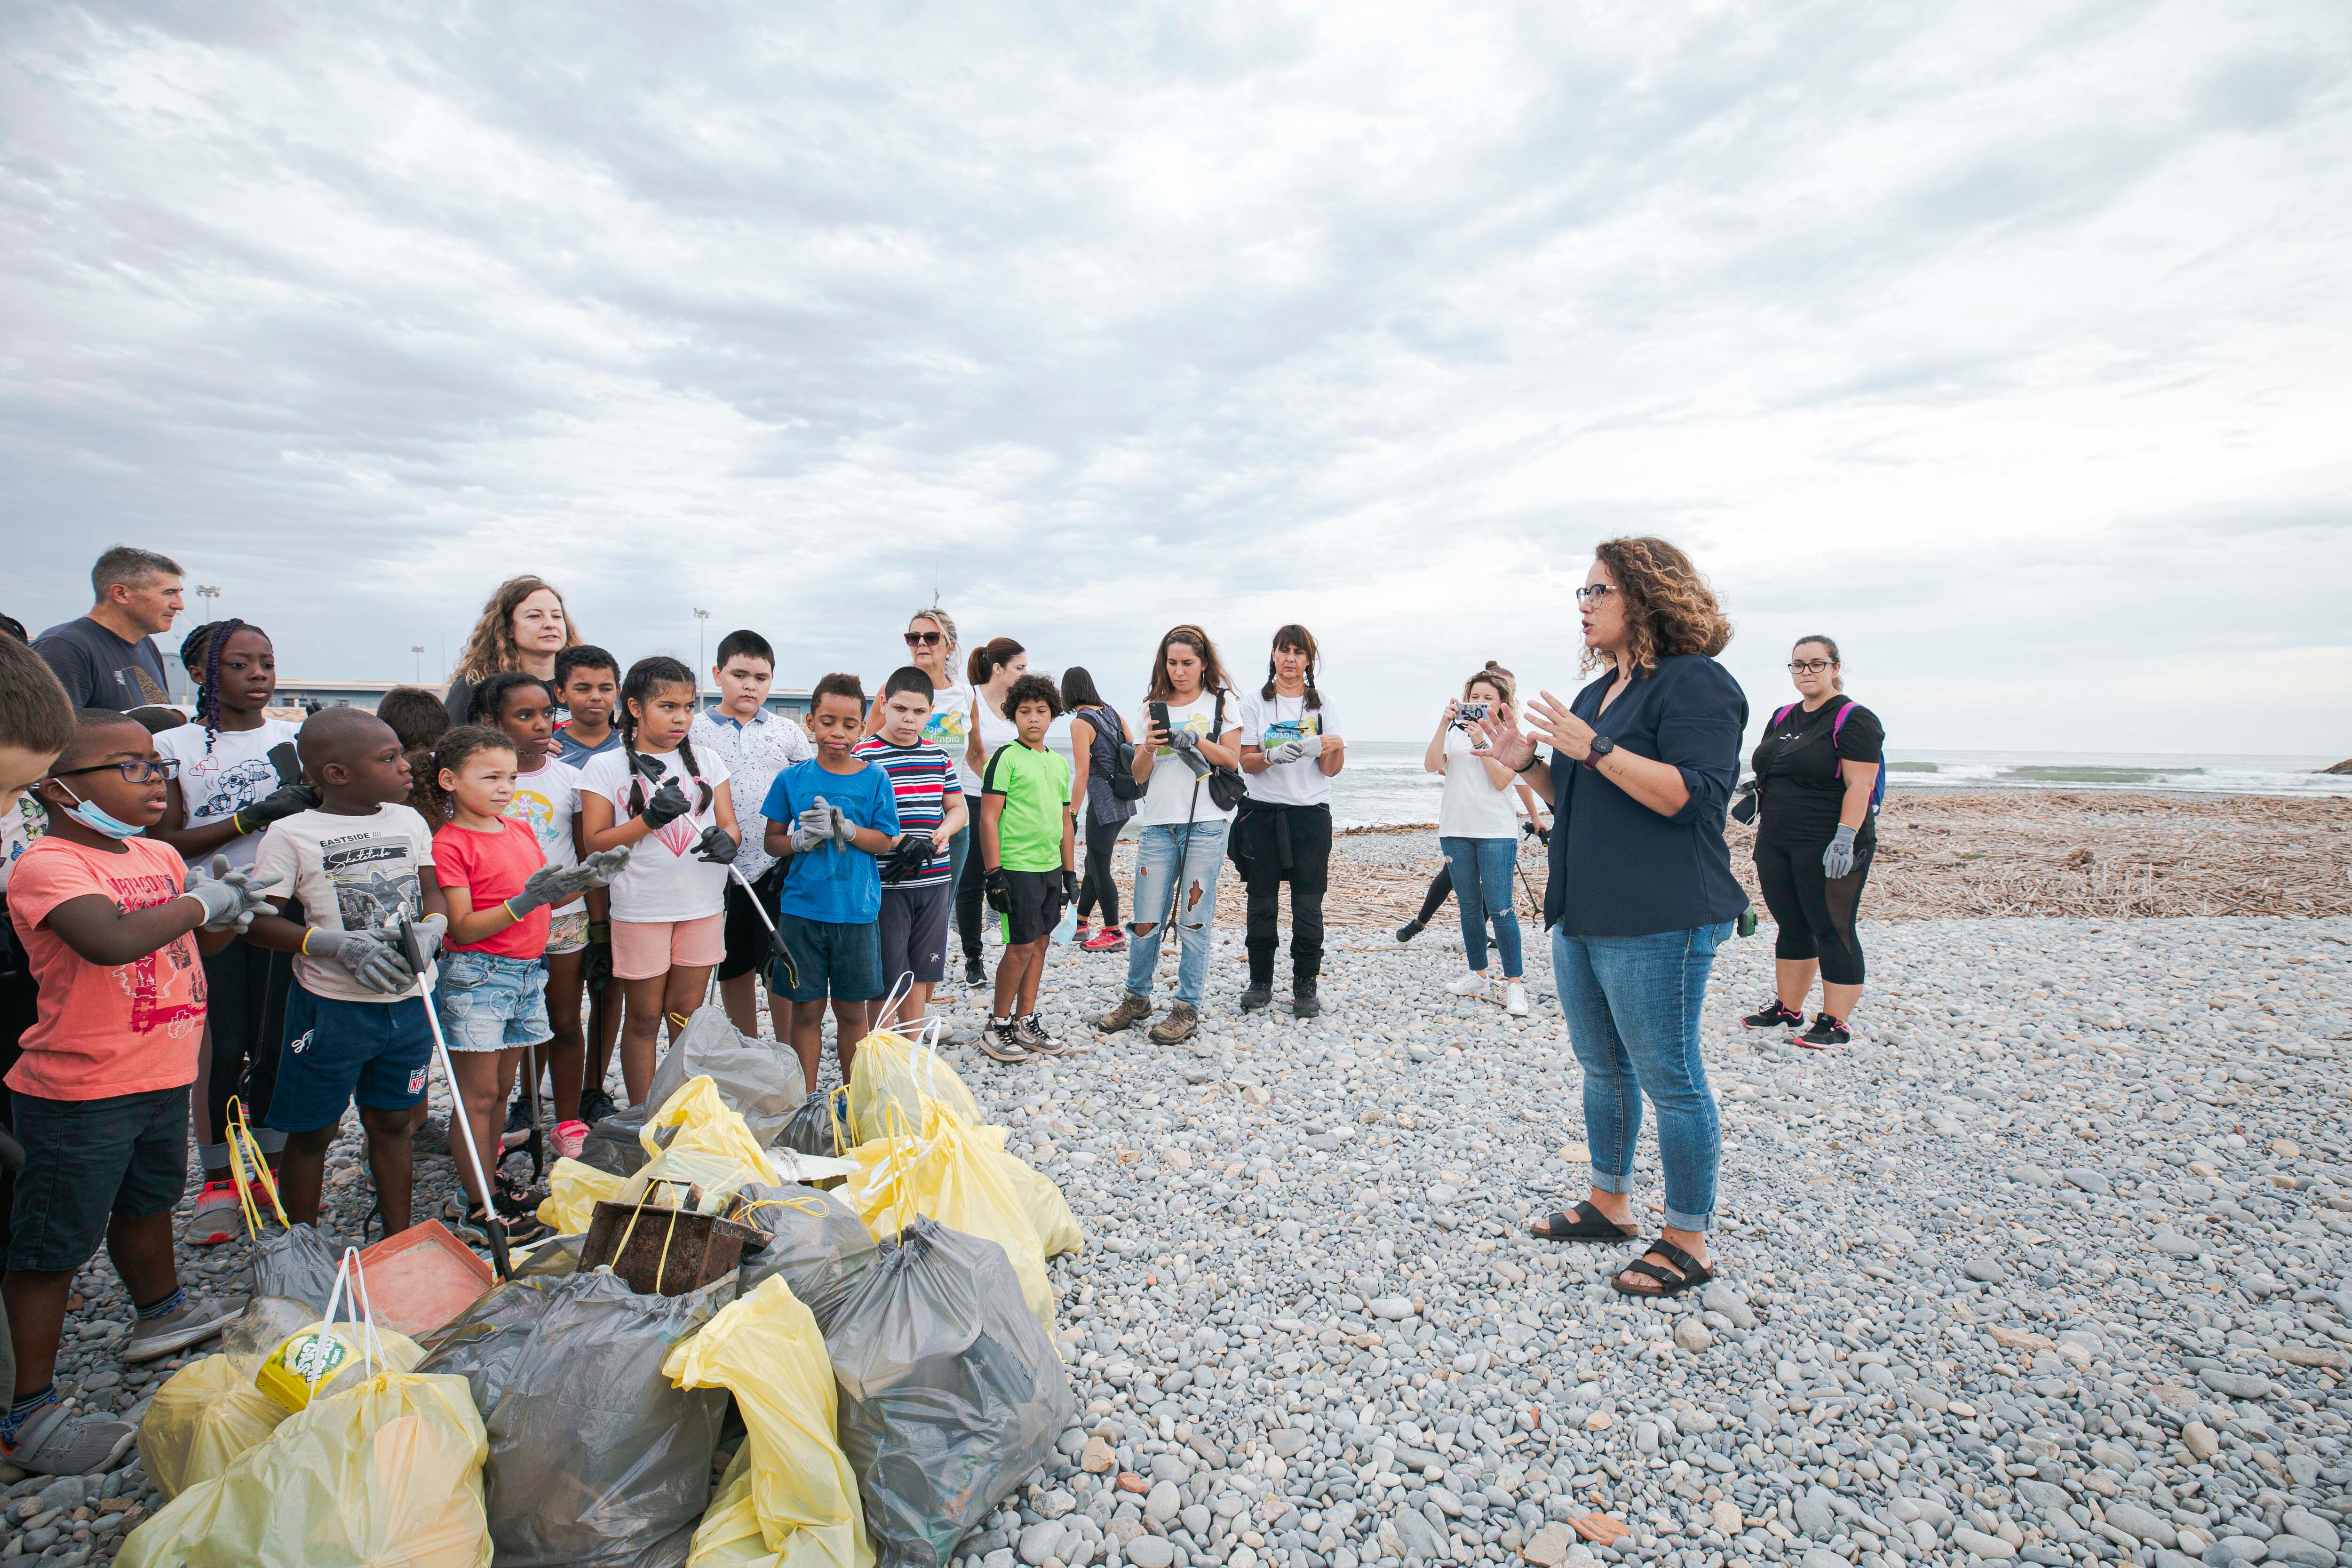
{"x":595,"y":1459}
{"x":812,"y":1129}
{"x":816,"y":1241}
{"x":611,"y":1145}
{"x":950,"y":1394}
{"x":297,"y":1264}
{"x":758,"y":1079}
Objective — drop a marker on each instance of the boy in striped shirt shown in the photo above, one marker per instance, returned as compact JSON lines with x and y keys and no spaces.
{"x":916,"y":892}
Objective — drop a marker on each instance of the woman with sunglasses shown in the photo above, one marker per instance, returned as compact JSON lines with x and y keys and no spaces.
{"x":1817,"y":771}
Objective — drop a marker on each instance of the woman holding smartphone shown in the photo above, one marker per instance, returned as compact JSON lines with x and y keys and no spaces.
{"x":1478,"y":830}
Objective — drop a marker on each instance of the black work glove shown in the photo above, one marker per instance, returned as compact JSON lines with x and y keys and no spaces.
{"x":668,"y":803}
{"x":913,"y":851}
{"x":1069,"y":886}
{"x":276,"y":807}
{"x":716,"y":846}
{"x":1000,"y":897}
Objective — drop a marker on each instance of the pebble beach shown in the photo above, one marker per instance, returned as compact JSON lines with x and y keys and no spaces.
{"x":2047,"y":1265}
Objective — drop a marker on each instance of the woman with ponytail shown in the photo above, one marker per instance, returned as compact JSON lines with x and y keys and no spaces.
{"x":1291,"y":749}
{"x":677,"y":817}
{"x":1478,"y":830}
{"x":993,"y":668}
{"x":229,"y":790}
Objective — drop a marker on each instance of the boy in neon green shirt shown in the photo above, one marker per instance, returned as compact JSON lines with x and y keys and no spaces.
{"x":1028,"y":844}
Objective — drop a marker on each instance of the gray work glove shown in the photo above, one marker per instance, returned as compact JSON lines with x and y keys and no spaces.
{"x":1297,"y":749}
{"x":231,"y":898}
{"x":812,"y":828}
{"x":368,"y":957}
{"x":552,"y":885}
{"x":1183,"y":739}
{"x":424,"y":942}
{"x":1837,"y":861}
{"x":843,"y":830}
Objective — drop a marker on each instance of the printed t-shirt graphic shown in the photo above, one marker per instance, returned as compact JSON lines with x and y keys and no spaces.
{"x":231,"y":773}
{"x":664,"y":880}
{"x":545,"y":800}
{"x":349,"y":873}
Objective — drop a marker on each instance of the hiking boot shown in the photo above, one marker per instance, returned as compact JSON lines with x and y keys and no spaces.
{"x":1304,"y":1003}
{"x":974,"y":972}
{"x":219,"y":1215}
{"x":1259,"y":995}
{"x":48,"y":1444}
{"x":1108,"y":940}
{"x":1828,"y":1030}
{"x":1131,"y":1009}
{"x":1181,"y":1025}
{"x":1410,"y":929}
{"x":1031,"y":1034}
{"x":1778,"y":1016}
{"x":1002,"y":1042}
{"x":194,"y":1319}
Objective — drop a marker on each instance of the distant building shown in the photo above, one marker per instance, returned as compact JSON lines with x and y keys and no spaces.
{"x":312,"y":695}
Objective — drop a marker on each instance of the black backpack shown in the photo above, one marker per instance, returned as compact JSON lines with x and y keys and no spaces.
{"x":1121,"y":773}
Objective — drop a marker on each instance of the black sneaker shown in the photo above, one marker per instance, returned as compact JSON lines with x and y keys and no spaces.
{"x":1259,"y":995}
{"x":1778,"y":1016}
{"x":595,"y":1105}
{"x":974,"y":972}
{"x":518,"y":1114}
{"x":1828,"y":1030}
{"x":1410,"y":929}
{"x":1304,"y":1003}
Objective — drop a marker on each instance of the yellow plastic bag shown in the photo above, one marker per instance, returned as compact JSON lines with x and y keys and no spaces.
{"x":729,"y":1535}
{"x":206,"y":1414}
{"x":765,"y":1349}
{"x":388,"y":1473}
{"x":1049,"y":1210}
{"x":574,"y":1191}
{"x":894,"y":1081}
{"x":311,"y":1362}
{"x":950,"y":1175}
{"x":713,"y":1147}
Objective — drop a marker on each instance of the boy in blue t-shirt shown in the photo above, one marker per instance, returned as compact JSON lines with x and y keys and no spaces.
{"x":827,"y":820}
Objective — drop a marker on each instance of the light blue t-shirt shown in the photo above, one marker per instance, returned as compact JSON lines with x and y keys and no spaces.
{"x":836,"y":883}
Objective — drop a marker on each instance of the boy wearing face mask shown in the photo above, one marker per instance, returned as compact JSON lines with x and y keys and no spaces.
{"x":113,"y":928}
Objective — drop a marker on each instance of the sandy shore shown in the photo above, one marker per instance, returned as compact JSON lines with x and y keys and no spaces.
{"x":1991,"y":853}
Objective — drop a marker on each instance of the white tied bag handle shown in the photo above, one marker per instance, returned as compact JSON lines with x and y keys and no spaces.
{"x":357,"y":1311}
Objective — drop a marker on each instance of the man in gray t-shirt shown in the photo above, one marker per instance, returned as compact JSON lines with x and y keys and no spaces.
{"x":104,"y":660}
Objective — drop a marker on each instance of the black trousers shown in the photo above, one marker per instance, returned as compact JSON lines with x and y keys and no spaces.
{"x":245,"y":989}
{"x":1273,"y":845}
{"x":1815,"y":915}
{"x":972,"y":888}
{"x":1097,"y":885}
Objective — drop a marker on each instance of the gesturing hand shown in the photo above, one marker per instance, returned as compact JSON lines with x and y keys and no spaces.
{"x":1549,"y":719}
{"x":1505,"y":742}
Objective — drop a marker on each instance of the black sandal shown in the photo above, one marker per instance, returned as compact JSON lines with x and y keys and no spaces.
{"x":1689,"y":1272}
{"x":1587,"y":1224}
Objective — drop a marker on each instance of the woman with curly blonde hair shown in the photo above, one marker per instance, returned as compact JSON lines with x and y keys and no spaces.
{"x":1642,"y":769}
{"x":523,"y":627}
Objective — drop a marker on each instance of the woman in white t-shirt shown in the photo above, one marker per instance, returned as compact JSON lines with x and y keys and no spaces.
{"x":993,"y":668}
{"x":1189,"y":725}
{"x":676,"y":816}
{"x":1291,"y":747}
{"x":1478,"y":829}
{"x":229,"y":789}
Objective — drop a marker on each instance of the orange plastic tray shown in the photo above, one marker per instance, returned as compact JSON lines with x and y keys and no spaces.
{"x":422,"y":1278}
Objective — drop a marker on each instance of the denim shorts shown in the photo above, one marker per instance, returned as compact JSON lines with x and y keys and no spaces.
{"x":828,"y":959}
{"x":490,"y":1003}
{"x":88,"y":1163}
{"x":378,"y":1053}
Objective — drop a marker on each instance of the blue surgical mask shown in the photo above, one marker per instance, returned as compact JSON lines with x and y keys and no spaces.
{"x":97,"y":818}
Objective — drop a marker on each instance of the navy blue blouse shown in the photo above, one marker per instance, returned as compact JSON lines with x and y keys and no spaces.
{"x":1619,"y":868}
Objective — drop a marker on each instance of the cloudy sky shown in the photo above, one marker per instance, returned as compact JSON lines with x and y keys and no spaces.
{"x":2010,"y":344}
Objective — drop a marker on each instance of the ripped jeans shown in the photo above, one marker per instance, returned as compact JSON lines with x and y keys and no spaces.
{"x":1156,"y":851}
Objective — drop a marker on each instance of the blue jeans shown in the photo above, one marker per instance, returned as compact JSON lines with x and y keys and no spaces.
{"x":1156,"y":852}
{"x":1482,"y":871}
{"x":1632,"y":1007}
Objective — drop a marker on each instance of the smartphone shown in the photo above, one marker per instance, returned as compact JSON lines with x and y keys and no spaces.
{"x":287,"y":766}
{"x":1467,"y":712}
{"x":1159,"y":711}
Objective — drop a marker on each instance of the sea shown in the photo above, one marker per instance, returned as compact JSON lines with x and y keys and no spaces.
{"x":1383,"y":782}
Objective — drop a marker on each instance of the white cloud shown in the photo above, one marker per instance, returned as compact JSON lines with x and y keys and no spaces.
{"x":2011,"y":344}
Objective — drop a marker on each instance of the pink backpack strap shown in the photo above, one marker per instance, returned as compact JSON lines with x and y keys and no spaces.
{"x":1783,"y":713}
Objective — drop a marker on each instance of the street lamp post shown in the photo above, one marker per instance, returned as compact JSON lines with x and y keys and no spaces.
{"x":419,"y":650}
{"x":207,"y":594}
{"x":701,"y":634}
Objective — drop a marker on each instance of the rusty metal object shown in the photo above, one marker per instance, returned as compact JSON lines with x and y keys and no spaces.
{"x":663,"y":1251}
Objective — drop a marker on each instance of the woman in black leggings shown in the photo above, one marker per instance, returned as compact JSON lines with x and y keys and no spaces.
{"x":1817,"y":771}
{"x":1096,"y":732}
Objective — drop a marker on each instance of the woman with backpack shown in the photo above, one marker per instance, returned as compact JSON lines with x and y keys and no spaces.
{"x":1817,"y":775}
{"x":1106,"y":792}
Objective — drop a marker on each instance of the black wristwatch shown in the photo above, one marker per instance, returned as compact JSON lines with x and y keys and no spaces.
{"x":1602,"y":746}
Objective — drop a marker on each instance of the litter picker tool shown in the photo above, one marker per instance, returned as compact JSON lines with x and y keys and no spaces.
{"x":494,"y":1227}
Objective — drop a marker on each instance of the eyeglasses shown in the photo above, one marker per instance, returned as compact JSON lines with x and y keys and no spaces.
{"x":137,"y":770}
{"x":1809,"y":666}
{"x":925,"y":639}
{"x":1596,"y":594}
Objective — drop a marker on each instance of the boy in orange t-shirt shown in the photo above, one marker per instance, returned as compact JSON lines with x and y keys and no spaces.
{"x":109,"y":922}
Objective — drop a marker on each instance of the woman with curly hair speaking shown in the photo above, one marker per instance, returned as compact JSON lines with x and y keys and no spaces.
{"x":1641,"y":774}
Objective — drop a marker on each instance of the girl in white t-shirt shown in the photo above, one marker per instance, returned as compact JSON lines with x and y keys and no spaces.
{"x":229,"y":790}
{"x":676,"y":816}
{"x":1478,"y":829}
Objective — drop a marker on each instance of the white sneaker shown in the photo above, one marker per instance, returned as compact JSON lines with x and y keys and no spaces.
{"x":1515,"y":999}
{"x":1470,"y":985}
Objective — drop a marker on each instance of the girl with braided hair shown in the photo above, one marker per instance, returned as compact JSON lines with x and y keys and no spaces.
{"x":669,"y":922}
{"x":229,"y":789}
